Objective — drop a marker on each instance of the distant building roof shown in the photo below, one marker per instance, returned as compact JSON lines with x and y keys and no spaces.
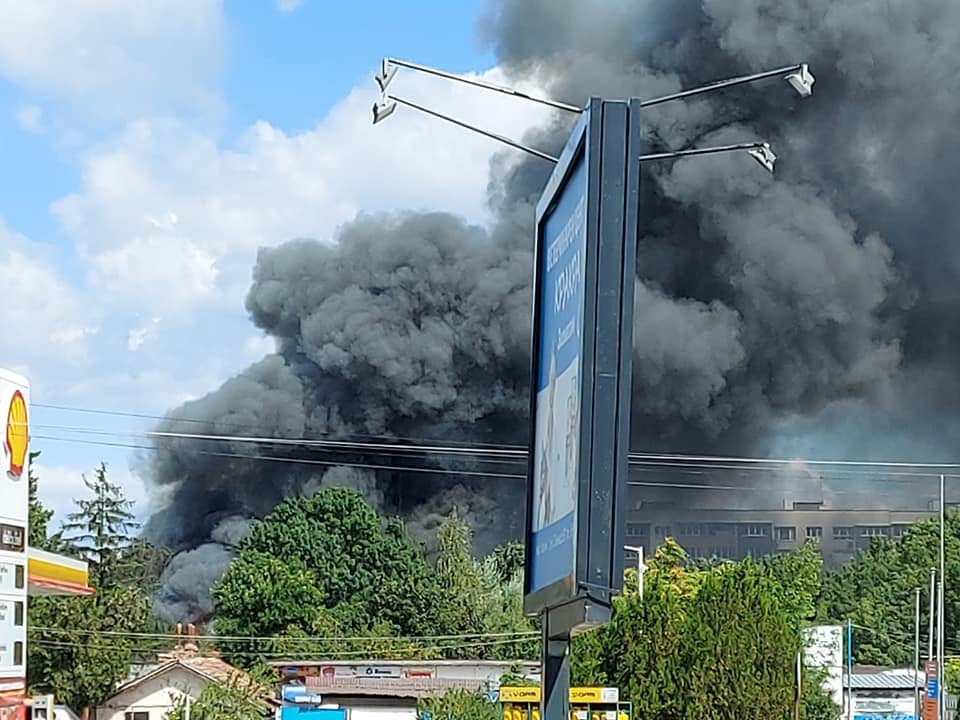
{"x":391,"y":687}
{"x":401,"y":663}
{"x":210,"y":668}
{"x":866,"y":677}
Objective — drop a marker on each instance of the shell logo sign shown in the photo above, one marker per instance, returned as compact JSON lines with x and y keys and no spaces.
{"x":15,"y":442}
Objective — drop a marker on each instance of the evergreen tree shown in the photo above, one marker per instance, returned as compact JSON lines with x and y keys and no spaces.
{"x":99,"y":530}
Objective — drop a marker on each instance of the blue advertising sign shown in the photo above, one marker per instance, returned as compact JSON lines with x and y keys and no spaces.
{"x":559,"y":374}
{"x":312,"y":713}
{"x":581,"y":355}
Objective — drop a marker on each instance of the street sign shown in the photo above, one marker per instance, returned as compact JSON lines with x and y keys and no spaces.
{"x":932,"y":688}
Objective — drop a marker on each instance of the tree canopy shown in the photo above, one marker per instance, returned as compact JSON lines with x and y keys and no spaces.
{"x":101,"y":526}
{"x":876,"y":592}
{"x":327,"y":562}
{"x":80,"y":647}
{"x":708,"y":642}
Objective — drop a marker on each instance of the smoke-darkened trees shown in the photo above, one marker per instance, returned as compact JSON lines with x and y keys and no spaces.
{"x":482,"y":599}
{"x":327,"y":574}
{"x":324,"y":567}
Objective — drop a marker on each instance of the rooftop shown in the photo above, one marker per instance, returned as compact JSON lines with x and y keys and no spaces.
{"x":391,"y":687}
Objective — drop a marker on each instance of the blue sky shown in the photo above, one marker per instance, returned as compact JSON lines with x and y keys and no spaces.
{"x":149,"y":149}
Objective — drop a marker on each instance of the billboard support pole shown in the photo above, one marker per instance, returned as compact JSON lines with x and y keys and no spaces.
{"x":587,"y":226}
{"x":555,"y":672}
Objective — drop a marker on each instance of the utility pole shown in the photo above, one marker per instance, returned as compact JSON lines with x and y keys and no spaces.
{"x":641,"y":568}
{"x":796,"y":700}
{"x":916,"y":655}
{"x":933,"y":599}
{"x":849,"y":669}
{"x":940,"y":618}
{"x":940,"y":650}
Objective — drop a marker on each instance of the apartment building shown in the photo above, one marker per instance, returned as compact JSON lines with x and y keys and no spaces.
{"x":739,"y":533}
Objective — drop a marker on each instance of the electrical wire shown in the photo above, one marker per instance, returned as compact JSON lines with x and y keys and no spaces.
{"x":248,"y":426}
{"x":344,"y":445}
{"x":637,"y":467}
{"x":300,"y":461}
{"x":518,"y":451}
{"x":705,"y":462}
{"x":280,"y":655}
{"x":290,"y":638}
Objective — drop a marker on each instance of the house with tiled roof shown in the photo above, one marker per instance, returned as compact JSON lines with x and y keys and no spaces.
{"x":183,"y":673}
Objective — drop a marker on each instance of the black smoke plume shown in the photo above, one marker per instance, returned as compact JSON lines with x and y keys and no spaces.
{"x":814,"y":309}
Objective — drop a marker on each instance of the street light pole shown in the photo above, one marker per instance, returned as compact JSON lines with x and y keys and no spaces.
{"x":641,"y":568}
{"x":798,"y":76}
{"x":940,"y":590}
{"x":916,"y":655}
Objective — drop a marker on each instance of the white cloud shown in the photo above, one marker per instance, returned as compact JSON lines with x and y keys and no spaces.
{"x":166,"y":224}
{"x":114,"y":58}
{"x":288,"y":5}
{"x":168,"y":217}
{"x":41,"y":313}
{"x":30,"y":118}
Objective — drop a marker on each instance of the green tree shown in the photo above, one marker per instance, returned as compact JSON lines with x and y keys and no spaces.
{"x":78,"y":648}
{"x":478,"y":601}
{"x":507,"y":560}
{"x":458,"y":704}
{"x":708,"y":641}
{"x":460,"y":578}
{"x":140,"y":564}
{"x":241,"y":698}
{"x":334,"y":555}
{"x":100,"y":528}
{"x":39,"y":516}
{"x":876,"y":590}
{"x":815,"y":704}
{"x":265,"y":596}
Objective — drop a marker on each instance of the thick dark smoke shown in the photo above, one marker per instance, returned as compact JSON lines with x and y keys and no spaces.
{"x":813,"y":310}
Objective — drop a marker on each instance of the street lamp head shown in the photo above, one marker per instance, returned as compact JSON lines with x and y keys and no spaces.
{"x":764,"y":155}
{"x":802,"y":80}
{"x":386,"y":73}
{"x":383,"y":109}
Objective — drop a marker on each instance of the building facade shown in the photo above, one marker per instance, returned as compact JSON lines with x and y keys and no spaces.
{"x":24,"y":571}
{"x":736,"y":533}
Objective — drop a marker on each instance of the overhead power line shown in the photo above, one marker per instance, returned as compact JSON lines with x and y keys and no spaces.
{"x":259,"y":428}
{"x":290,"y":638}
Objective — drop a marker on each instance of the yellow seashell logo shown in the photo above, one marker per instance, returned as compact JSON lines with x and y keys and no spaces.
{"x":16,"y":440}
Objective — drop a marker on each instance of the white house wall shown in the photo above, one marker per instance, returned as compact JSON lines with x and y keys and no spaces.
{"x":153,"y":695}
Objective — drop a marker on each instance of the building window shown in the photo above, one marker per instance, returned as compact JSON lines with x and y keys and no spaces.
{"x":662,"y":530}
{"x":875,"y":531}
{"x":138,"y":715}
{"x":690,"y":530}
{"x":11,"y":538}
{"x":635,"y":530}
{"x":18,"y":614}
{"x":19,"y":577}
{"x":842,"y":533}
{"x":755,"y":531}
{"x":18,"y":653}
{"x":786,"y":533}
{"x":899,"y":530}
{"x":814,"y":533}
